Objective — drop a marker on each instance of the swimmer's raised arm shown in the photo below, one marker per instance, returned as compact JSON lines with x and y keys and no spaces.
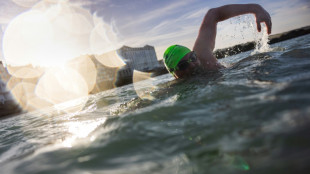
{"x":205,"y":41}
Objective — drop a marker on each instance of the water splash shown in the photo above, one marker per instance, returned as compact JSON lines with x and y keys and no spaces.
{"x":261,"y":40}
{"x":235,"y":31}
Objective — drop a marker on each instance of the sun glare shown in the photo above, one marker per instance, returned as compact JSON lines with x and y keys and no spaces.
{"x":47,"y":36}
{"x":58,"y":85}
{"x":51,"y":42}
{"x":80,"y":130}
{"x":26,"y":3}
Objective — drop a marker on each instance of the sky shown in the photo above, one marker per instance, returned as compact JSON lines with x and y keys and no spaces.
{"x":159,"y":23}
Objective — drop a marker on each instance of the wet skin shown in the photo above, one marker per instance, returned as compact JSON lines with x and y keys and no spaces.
{"x":194,"y":68}
{"x":191,"y":69}
{"x":205,"y":41}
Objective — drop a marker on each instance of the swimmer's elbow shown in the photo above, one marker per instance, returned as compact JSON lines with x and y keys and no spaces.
{"x":212,"y":16}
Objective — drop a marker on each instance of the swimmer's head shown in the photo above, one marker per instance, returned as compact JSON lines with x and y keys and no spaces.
{"x":180,"y":61}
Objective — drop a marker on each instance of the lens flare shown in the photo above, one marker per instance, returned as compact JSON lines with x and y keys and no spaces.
{"x":43,"y":50}
{"x":103,"y":37}
{"x":32,"y":41}
{"x":86,"y":68}
{"x":25,"y":3}
{"x":25,"y":71}
{"x":48,"y":35}
{"x":143,"y":85}
{"x":59,"y":85}
{"x":111,"y":59}
{"x":23,"y":92}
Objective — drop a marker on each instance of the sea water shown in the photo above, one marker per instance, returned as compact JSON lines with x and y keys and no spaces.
{"x":253,"y":117}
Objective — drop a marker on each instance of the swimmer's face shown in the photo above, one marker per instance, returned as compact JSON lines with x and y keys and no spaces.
{"x":188,"y":66}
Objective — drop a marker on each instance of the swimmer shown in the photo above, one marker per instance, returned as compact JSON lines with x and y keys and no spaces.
{"x":181,"y":62}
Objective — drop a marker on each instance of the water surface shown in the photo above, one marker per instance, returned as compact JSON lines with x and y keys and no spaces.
{"x":253,"y":117}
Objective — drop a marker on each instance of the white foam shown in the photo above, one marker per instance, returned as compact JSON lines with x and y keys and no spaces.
{"x":261,"y":40}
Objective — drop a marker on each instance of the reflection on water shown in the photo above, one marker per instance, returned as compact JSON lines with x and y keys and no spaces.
{"x":81,"y":129}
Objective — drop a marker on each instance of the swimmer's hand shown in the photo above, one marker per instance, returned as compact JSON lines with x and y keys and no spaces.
{"x":205,"y":41}
{"x":262,"y":15}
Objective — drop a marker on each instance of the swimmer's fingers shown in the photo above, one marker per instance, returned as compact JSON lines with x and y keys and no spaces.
{"x":259,"y":28}
{"x":267,"y":22}
{"x":269,"y":26}
{"x":263,"y":16}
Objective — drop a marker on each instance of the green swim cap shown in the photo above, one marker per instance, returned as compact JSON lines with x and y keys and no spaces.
{"x":173,"y":55}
